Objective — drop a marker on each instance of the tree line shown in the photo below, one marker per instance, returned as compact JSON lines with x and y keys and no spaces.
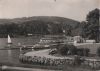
{"x":31,"y":27}
{"x":90,"y":27}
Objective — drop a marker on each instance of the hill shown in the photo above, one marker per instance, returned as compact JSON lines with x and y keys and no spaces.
{"x":48,"y":24}
{"x":41,"y":18}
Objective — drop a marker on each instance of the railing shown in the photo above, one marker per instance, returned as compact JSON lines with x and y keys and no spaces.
{"x":4,"y":67}
{"x":10,"y":68}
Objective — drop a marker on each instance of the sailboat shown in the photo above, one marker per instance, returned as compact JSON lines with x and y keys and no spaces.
{"x":9,"y":43}
{"x":9,"y":40}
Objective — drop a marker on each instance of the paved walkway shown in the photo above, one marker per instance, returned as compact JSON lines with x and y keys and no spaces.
{"x":44,"y":53}
{"x":23,"y":69}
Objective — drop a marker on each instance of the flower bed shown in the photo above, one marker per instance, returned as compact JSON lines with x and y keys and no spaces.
{"x":42,"y":58}
{"x":44,"y":61}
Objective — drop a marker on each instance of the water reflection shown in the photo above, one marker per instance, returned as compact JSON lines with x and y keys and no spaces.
{"x":12,"y":56}
{"x":9,"y":55}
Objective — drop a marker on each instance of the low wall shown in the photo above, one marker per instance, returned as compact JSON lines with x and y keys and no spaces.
{"x":58,"y":62}
{"x":43,"y":60}
{"x":92,"y":46}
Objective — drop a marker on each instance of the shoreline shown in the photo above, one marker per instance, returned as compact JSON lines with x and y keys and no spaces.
{"x":30,"y":66}
{"x":42,"y":57}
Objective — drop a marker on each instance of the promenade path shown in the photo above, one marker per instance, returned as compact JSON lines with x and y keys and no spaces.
{"x":9,"y":68}
{"x":45,"y":53}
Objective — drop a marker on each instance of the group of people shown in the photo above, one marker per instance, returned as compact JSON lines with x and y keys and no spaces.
{"x":44,"y":60}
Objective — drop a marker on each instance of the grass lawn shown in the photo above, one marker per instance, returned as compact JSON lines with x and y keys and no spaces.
{"x":93,"y":47}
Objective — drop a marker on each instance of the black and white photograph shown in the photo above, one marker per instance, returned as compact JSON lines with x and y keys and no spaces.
{"x":49,"y":35}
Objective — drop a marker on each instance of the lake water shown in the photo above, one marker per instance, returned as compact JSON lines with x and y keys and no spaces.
{"x":11,"y":56}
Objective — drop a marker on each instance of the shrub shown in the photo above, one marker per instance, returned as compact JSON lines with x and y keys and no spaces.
{"x":72,"y":49}
{"x":77,"y":60}
{"x":80,"y":51}
{"x":86,"y":51}
{"x":63,"y":49}
{"x":98,"y":51}
{"x":67,"y":49}
{"x":83,"y":51}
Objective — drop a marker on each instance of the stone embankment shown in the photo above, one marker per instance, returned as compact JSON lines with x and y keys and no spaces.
{"x":42,"y":58}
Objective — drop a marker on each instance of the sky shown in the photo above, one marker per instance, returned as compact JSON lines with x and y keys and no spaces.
{"x":73,"y":9}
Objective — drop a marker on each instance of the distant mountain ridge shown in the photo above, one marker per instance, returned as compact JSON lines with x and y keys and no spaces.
{"x":40,"y":18}
{"x":45,"y":20}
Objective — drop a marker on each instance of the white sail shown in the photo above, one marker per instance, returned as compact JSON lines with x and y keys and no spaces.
{"x":75,"y":42}
{"x":64,"y":31}
{"x":9,"y":40}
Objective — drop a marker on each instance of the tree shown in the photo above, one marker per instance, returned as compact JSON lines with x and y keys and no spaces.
{"x":98,"y":51}
{"x":83,"y":51}
{"x":63,"y":49}
{"x":84,"y":28}
{"x":91,"y":27}
{"x":67,"y":29}
{"x":67,"y":49}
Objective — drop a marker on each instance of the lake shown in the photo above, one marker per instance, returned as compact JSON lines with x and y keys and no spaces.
{"x":12,"y":56}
